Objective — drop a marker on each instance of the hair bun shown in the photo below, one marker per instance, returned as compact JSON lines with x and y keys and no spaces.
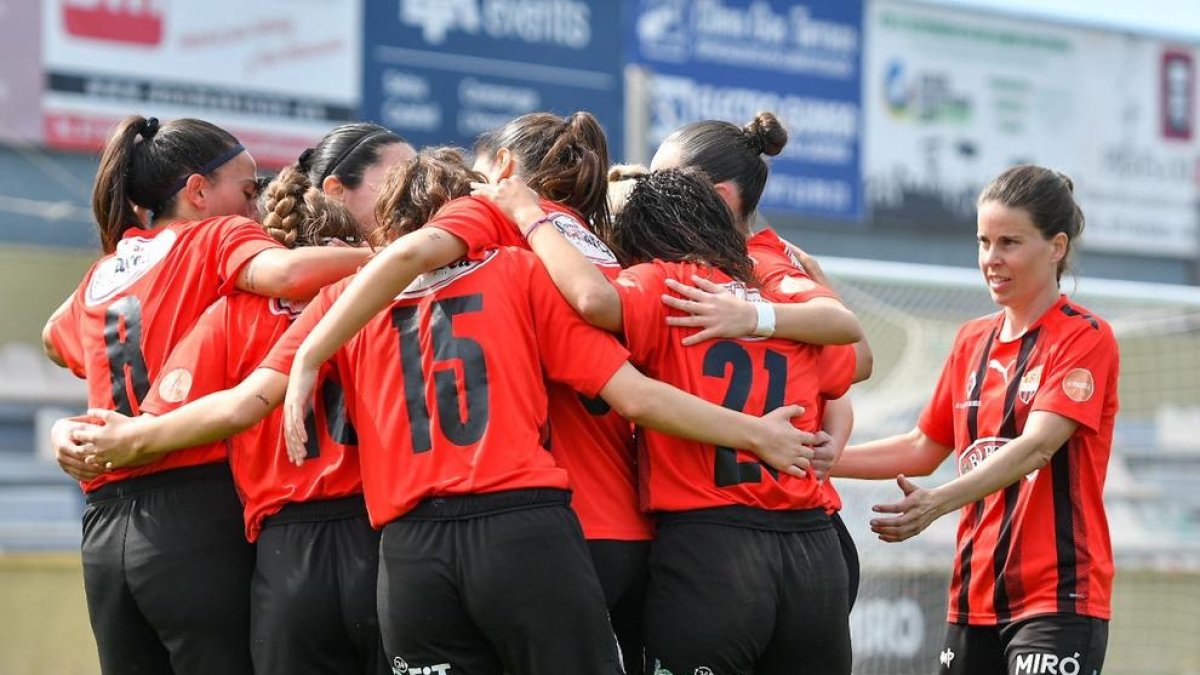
{"x":765,"y":134}
{"x":1066,"y":179}
{"x":148,"y":128}
{"x":619,"y":172}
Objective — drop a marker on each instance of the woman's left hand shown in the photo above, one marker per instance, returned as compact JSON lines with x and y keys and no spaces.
{"x":516,"y":199}
{"x":710,"y":307}
{"x":106,"y":444}
{"x":301,"y":383}
{"x":917,"y":510}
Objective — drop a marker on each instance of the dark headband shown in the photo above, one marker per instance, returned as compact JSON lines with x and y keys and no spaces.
{"x":349,"y":151}
{"x":208,"y":167}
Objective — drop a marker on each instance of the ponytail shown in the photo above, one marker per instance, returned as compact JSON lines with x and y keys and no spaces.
{"x":564,"y":160}
{"x":145,"y":165}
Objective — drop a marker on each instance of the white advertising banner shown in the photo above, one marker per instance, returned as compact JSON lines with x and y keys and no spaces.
{"x":276,"y":73}
{"x":954,"y":98}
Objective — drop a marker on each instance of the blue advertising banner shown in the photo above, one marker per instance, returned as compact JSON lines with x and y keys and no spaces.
{"x":444,"y":71}
{"x":730,"y":59}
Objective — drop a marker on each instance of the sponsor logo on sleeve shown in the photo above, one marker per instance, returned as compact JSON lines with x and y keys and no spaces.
{"x":175,"y":386}
{"x":587,"y":243}
{"x":134,"y":257}
{"x":1079,"y":385}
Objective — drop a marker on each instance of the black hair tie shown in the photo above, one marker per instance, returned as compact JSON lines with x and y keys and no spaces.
{"x":305,"y":159}
{"x":148,"y":128}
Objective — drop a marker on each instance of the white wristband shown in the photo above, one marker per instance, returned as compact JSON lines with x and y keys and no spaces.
{"x":765,"y":326}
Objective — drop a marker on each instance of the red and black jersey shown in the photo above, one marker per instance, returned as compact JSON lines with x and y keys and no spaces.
{"x":781,"y":272}
{"x":1041,"y":545}
{"x":226,"y":345}
{"x":592,"y":443}
{"x":752,"y":375}
{"x":450,"y":380}
{"x":135,"y":304}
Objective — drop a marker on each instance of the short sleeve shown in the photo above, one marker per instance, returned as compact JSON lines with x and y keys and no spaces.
{"x":64,"y":335}
{"x":937,"y":419}
{"x":197,"y":365}
{"x":281,"y":355}
{"x":643,"y":313}
{"x":835,"y":367}
{"x":1080,"y":374}
{"x":234,"y":242}
{"x":478,"y":223}
{"x":572,"y":351}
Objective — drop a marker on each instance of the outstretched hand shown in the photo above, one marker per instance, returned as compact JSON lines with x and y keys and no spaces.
{"x":710,"y":307}
{"x":917,"y":510}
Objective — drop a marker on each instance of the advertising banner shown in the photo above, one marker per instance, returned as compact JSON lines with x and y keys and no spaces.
{"x":20,"y":78}
{"x":730,"y":59}
{"x":444,"y":71}
{"x":954,"y":98}
{"x":276,"y":73}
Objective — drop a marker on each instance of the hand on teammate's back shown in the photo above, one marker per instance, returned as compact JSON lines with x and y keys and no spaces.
{"x":711,"y":308}
{"x":825,"y":454}
{"x":784,"y":447}
{"x":516,"y":199}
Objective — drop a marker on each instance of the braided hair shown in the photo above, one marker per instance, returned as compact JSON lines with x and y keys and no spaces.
{"x":298,"y":214}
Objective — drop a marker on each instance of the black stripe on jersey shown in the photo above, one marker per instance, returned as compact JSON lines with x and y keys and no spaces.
{"x":1008,"y":429}
{"x":1064,"y":530}
{"x":1071,"y":311}
{"x":964,"y":562}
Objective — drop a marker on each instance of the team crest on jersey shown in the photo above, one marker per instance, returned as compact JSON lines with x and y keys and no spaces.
{"x":134,"y":257}
{"x":1030,"y":382}
{"x":592,"y":248}
{"x":175,"y":386}
{"x":442,"y":276}
{"x":978,"y":451}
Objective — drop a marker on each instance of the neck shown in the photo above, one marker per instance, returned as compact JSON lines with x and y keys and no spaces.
{"x":1019,"y":317}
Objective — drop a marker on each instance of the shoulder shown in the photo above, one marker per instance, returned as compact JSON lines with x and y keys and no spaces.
{"x":1069,"y":317}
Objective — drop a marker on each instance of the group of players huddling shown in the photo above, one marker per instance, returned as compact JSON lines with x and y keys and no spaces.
{"x":401,"y":411}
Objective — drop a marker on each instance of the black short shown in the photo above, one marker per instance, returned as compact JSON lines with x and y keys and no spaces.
{"x":737,"y":590}
{"x":166,"y":570}
{"x":1054,"y":644}
{"x":313,"y":593}
{"x":850,"y":554}
{"x":492,"y":583}
{"x":623,"y":571}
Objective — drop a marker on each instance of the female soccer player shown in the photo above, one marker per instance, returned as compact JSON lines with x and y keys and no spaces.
{"x":1026,"y":401}
{"x":783,"y":606}
{"x":482,"y":565}
{"x":564,"y":160}
{"x":732,"y":157}
{"x":349,"y":164}
{"x":166,"y":569}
